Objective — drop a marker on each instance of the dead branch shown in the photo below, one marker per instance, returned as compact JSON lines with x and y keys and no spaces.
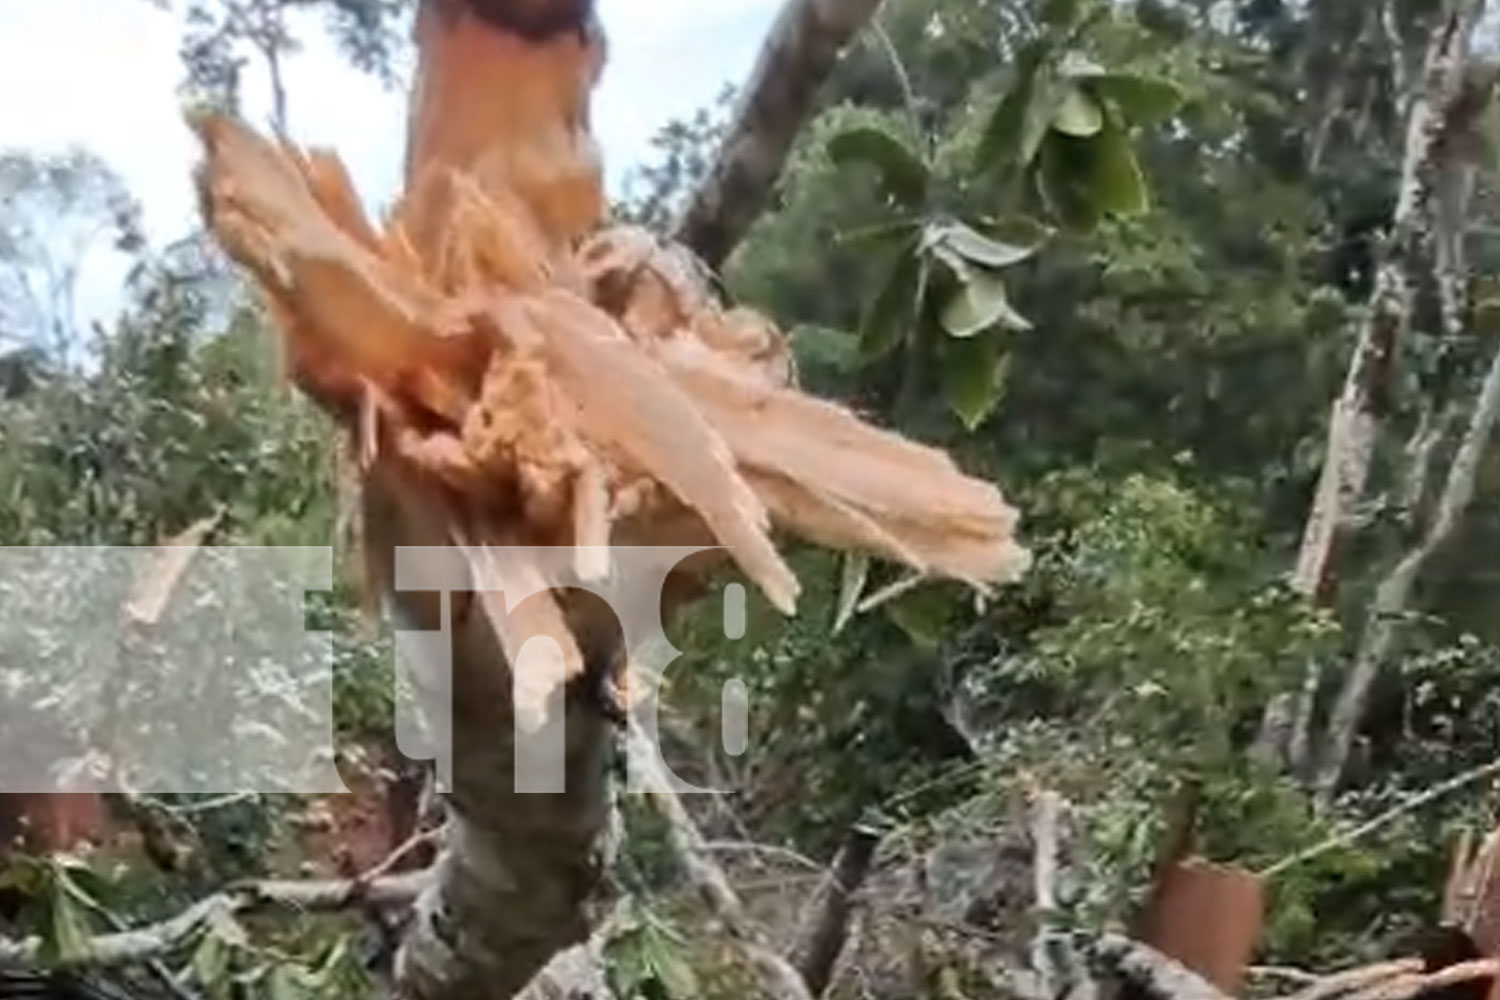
{"x":779,"y":977}
{"x":152,"y":941}
{"x":1360,"y":978}
{"x":1375,"y":823}
{"x":798,"y":55}
{"x":828,"y":929}
{"x":1405,"y":987}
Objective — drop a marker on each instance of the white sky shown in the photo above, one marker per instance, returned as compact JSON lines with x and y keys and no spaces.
{"x":103,"y":74}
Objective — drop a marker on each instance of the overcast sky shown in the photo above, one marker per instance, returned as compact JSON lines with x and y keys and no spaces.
{"x":103,"y":73}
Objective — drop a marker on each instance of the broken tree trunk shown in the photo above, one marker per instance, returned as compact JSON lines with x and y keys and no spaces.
{"x":513,"y":375}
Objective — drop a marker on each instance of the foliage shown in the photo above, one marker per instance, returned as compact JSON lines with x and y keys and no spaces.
{"x":54,"y":210}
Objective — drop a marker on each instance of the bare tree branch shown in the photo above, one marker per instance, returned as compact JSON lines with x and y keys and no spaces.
{"x":1354,"y":423}
{"x":828,"y":928}
{"x":798,"y":55}
{"x":143,"y":944}
{"x":778,"y":976}
{"x":1393,"y":595}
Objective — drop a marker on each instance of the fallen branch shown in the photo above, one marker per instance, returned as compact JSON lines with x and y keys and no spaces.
{"x":779,"y":977}
{"x":1405,"y":987}
{"x":1364,"y":829}
{"x":153,"y":941}
{"x":1360,"y":978}
{"x":828,"y":928}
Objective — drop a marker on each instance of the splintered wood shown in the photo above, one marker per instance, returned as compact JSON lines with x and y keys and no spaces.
{"x":550,"y":382}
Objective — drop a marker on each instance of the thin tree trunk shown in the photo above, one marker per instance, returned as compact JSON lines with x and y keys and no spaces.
{"x":1355,"y":422}
{"x":1393,"y":596}
{"x":800,"y":52}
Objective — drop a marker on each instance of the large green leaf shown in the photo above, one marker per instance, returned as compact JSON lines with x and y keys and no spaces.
{"x":889,"y":317}
{"x":902,"y":172}
{"x":1143,"y":100}
{"x":1119,"y":184}
{"x":1021,"y":120}
{"x":68,"y":937}
{"x":974,"y":372}
{"x":210,"y":962}
{"x":1065,"y":180}
{"x":981,"y":302}
{"x":974,"y":246}
{"x":1083,"y":180}
{"x":1077,"y":113}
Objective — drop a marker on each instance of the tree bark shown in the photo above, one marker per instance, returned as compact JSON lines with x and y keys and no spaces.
{"x":1354,"y":423}
{"x":800,"y":52}
{"x":1393,"y":596}
{"x":520,"y":874}
{"x":828,"y":930}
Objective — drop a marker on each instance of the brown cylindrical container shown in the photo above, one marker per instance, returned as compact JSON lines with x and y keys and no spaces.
{"x":1208,"y":917}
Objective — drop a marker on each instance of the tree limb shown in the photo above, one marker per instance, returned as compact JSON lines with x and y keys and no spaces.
{"x":798,"y":55}
{"x":1354,"y":423}
{"x":780,"y":979}
{"x":1394,"y":592}
{"x":819,"y":950}
{"x":163,"y":937}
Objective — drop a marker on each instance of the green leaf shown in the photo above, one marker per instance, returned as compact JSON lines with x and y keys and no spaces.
{"x":210,"y":961}
{"x":974,"y":371}
{"x":282,"y":984}
{"x":1119,"y":185}
{"x":675,"y":975}
{"x":890,"y":316}
{"x":902,"y":172}
{"x":925,"y":615}
{"x":824,"y":347}
{"x":981,"y":303}
{"x":1021,"y":120}
{"x":1143,"y":100}
{"x":69,"y":933}
{"x":974,"y":246}
{"x":1064,"y":178}
{"x":27,"y":876}
{"x":1078,"y":114}
{"x":1083,"y":180}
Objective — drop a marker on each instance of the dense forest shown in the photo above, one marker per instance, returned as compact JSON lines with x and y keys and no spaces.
{"x":1203,"y":286}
